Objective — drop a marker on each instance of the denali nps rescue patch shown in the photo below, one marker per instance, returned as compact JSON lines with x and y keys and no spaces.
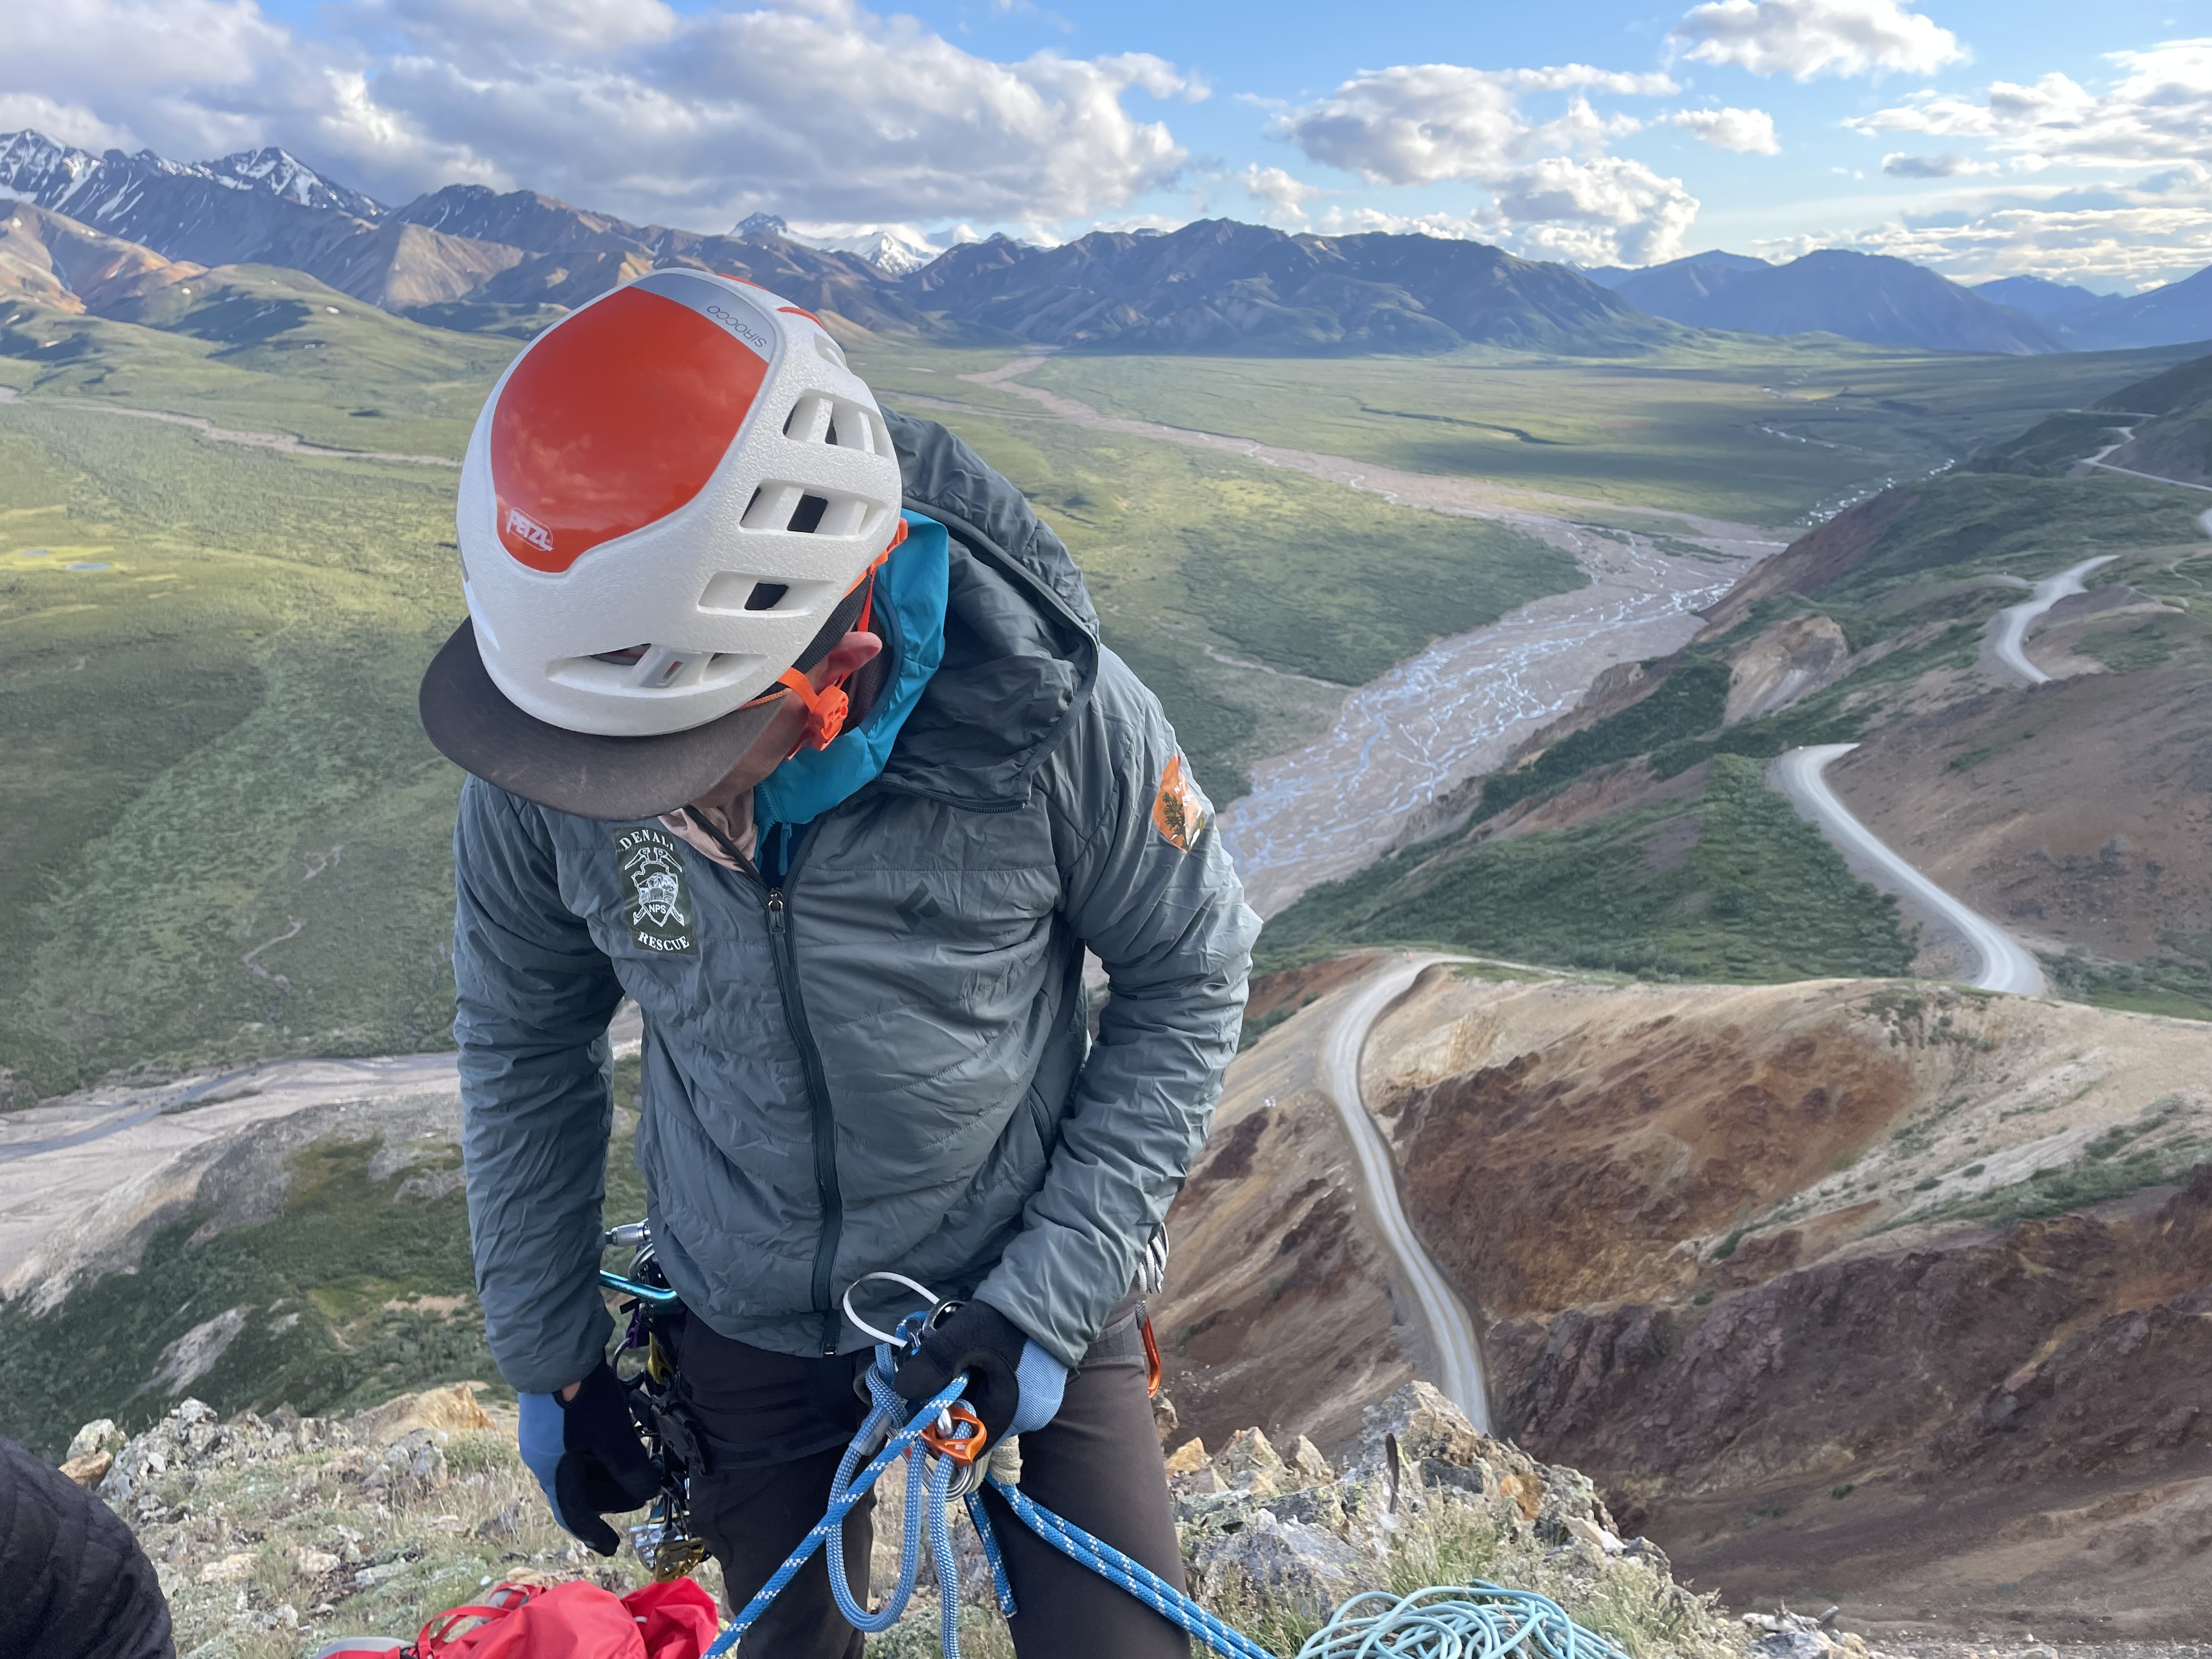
{"x":1181,"y":809}
{"x":658,"y":908}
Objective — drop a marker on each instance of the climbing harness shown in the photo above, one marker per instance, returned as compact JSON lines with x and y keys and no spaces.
{"x":663,"y":1540}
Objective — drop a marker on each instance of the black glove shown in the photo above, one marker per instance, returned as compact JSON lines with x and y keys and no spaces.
{"x":1013,"y":1385}
{"x":585,"y":1453}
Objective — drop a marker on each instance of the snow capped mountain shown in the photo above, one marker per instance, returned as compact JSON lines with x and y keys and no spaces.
{"x":282,"y":173}
{"x":894,"y":252}
{"x":891,"y":249}
{"x":212,"y":212}
{"x":33,"y":166}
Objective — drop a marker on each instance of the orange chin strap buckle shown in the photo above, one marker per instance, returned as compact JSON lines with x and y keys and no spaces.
{"x":825,"y":709}
{"x":939,"y":1436}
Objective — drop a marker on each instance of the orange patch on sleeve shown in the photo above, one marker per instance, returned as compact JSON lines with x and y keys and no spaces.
{"x":1179,"y":811}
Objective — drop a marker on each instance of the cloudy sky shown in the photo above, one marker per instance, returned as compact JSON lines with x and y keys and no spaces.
{"x":1982,"y":136}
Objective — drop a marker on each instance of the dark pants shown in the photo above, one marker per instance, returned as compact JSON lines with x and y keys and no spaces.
{"x":777,"y":1425}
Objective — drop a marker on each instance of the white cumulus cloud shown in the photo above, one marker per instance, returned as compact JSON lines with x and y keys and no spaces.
{"x":72,"y":123}
{"x":1285,"y":196}
{"x":1746,"y":131}
{"x":1807,"y":38}
{"x":1414,"y":124}
{"x":2159,"y":109}
{"x":819,"y":109}
{"x":1606,"y":210}
{"x":1555,"y":192}
{"x":2156,"y":230}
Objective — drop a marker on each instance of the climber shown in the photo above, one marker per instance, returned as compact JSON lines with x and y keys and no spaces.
{"x":74,"y":1582}
{"x":838,"y":793}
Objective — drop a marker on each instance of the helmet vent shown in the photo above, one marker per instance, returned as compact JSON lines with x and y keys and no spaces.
{"x":633,"y":670}
{"x":732,"y":592}
{"x":795,"y":507}
{"x":819,"y":418}
{"x":726,"y":666}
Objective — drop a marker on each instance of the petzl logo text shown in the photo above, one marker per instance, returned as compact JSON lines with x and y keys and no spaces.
{"x":524,"y":528}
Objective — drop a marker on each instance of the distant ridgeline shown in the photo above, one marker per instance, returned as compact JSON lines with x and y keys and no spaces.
{"x":1636,"y":834}
{"x":470,"y":257}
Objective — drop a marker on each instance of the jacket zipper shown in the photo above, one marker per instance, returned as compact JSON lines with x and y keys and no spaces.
{"x":826,"y":1184}
{"x":825,"y":1121}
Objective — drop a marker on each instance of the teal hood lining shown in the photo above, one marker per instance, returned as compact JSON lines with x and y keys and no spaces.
{"x":911,"y":593}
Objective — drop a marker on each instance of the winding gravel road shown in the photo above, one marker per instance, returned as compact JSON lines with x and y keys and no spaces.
{"x":2004,"y":964}
{"x":1451,"y":1332}
{"x":2009,"y":631}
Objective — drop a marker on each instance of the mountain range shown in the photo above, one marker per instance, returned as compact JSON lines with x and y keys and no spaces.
{"x":1219,"y":285}
{"x":471,"y":258}
{"x":1890,"y":302}
{"x":1862,"y":296}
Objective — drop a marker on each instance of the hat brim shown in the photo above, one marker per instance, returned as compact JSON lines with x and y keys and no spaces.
{"x":476,"y":726}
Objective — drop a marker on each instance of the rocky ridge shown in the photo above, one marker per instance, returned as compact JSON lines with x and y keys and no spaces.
{"x":1425,"y":1498}
{"x":272,"y":1533}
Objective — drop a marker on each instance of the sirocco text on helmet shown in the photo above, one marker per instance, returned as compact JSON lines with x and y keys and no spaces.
{"x":738,"y":326}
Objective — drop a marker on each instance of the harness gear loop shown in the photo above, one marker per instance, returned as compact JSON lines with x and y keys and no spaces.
{"x":935,"y":1300}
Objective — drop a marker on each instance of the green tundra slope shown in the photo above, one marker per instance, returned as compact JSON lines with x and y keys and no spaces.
{"x":1635,"y":834}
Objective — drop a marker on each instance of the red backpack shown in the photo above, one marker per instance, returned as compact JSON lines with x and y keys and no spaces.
{"x":578,"y":1620}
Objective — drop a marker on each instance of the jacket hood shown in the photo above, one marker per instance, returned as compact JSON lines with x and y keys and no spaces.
{"x":1021,"y":638}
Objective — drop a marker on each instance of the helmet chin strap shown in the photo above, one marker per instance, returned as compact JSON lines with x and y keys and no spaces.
{"x":825,"y":710}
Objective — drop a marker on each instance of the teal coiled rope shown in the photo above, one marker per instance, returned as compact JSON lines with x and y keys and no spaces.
{"x":1454,"y":1622}
{"x":1446,"y":1621}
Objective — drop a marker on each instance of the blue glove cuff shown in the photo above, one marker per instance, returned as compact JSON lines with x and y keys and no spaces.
{"x":542,"y":1438}
{"x":1042,"y":1381}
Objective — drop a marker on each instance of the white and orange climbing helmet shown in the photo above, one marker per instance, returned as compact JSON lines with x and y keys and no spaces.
{"x":673,"y":499}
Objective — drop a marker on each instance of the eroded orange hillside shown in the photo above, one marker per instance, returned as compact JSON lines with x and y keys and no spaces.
{"x":1737,"y":1249}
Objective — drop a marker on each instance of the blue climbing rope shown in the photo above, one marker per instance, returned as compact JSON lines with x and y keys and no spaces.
{"x":1454,"y":1622}
{"x":902,"y":1438}
{"x":1115,"y":1568}
{"x":1451,"y":1621}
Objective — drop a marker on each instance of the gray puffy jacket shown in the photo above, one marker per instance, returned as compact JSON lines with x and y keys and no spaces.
{"x":884,"y":1063}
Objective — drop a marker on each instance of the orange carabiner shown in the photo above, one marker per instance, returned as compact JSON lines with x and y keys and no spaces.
{"x":939,"y":1437}
{"x":1151,"y":1354}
